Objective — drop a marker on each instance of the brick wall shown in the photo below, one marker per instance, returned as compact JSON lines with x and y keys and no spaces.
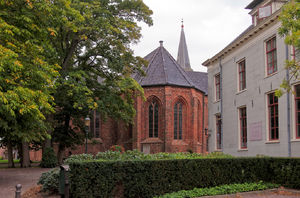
{"x":136,"y":136}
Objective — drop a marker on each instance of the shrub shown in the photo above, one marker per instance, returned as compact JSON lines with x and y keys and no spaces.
{"x":221,"y":190}
{"x":130,"y":155}
{"x":148,"y":178}
{"x":50,"y":181}
{"x":49,"y":159}
{"x":117,"y":148}
{"x":108,"y":155}
{"x":78,"y":158}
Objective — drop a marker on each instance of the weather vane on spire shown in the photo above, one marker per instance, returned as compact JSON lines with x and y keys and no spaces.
{"x":182,"y":23}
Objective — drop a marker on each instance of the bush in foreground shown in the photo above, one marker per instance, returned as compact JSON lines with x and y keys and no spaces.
{"x":50,"y":181}
{"x":220,"y":190}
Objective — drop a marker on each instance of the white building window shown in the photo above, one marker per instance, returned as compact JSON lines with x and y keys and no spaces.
{"x":217,"y":87}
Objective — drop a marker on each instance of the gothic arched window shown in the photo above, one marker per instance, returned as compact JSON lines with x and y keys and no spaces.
{"x":153,"y":119}
{"x":178,"y":121}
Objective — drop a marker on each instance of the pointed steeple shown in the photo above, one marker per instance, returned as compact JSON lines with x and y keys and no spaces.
{"x":183,"y":55}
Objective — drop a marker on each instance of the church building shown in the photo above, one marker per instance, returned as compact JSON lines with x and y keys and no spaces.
{"x":174,"y":116}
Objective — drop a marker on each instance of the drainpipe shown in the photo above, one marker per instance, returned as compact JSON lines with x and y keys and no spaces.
{"x":221,"y":100}
{"x":288,"y":104}
{"x":203,"y":113}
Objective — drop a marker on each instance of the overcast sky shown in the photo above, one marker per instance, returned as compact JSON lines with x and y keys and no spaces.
{"x":209,"y":26}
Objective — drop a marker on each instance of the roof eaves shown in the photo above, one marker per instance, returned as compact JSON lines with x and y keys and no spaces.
{"x":253,"y":4}
{"x":175,"y":85}
{"x":242,"y":38}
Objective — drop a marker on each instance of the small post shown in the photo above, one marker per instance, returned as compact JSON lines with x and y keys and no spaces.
{"x":67,"y":186}
{"x":64,"y":181}
{"x":18,"y":190}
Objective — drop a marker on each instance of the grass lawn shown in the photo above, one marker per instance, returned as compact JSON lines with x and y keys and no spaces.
{"x":220,"y":190}
{"x":6,"y":161}
{"x":15,"y":161}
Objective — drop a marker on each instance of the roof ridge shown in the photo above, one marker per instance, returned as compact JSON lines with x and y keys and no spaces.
{"x":181,"y":70}
{"x":153,"y":70}
{"x":152,"y":58}
{"x":164,"y":67}
{"x":164,"y":70}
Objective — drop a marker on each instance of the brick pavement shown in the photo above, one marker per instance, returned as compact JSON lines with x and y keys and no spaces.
{"x":10,"y":177}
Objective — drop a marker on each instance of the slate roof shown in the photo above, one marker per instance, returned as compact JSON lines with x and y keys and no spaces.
{"x":200,"y":80}
{"x":242,"y":34}
{"x":164,"y":70}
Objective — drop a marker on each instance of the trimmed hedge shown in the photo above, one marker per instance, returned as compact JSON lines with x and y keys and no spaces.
{"x":136,"y":155}
{"x":156,"y":177}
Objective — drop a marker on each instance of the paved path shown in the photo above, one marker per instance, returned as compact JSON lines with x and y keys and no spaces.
{"x":10,"y":177}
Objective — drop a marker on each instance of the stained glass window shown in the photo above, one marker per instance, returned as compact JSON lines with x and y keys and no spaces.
{"x":153,"y":119}
{"x":95,"y":124}
{"x":178,"y":121}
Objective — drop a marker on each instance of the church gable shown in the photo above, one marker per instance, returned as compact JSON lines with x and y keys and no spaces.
{"x":163,"y":70}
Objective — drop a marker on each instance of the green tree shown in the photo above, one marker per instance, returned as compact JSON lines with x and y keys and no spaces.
{"x":290,"y":29}
{"x":26,"y":78}
{"x":92,"y":44}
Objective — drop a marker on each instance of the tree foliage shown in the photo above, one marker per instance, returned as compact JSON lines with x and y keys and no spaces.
{"x":67,"y":57}
{"x":26,"y":77}
{"x":290,"y":29}
{"x":92,"y":44}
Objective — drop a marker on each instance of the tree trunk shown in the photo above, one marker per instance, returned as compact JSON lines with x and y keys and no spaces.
{"x":20,"y":152}
{"x":25,"y":152}
{"x":60,"y":154}
{"x":115,"y":133}
{"x":10,"y":156}
{"x":46,"y":144}
{"x":62,"y":147}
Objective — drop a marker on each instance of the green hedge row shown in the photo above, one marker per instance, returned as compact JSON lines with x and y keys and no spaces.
{"x":156,"y":177}
{"x":136,"y":155}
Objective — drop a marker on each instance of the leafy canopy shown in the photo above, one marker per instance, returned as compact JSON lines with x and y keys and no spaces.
{"x":290,"y":28}
{"x":26,"y":77}
{"x":92,"y":44}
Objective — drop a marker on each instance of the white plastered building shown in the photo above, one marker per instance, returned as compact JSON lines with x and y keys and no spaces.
{"x":245,"y":116}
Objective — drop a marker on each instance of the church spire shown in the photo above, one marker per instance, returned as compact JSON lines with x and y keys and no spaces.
{"x":183,"y":56}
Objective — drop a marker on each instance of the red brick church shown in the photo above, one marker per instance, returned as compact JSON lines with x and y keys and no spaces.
{"x":174,"y":116}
